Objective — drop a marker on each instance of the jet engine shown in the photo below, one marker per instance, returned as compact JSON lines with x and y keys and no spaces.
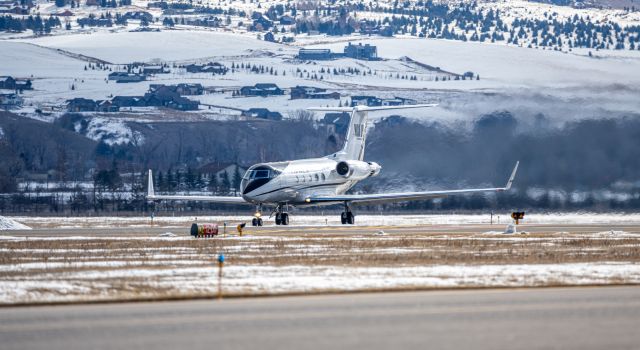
{"x":357,"y":170}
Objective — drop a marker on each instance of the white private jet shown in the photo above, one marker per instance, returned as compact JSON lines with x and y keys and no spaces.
{"x":320,"y":181}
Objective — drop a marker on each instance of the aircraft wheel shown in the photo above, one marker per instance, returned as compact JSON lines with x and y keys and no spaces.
{"x":350,"y":218}
{"x":343,"y":218}
{"x":260,"y":222}
{"x":254,"y":222}
{"x":278,"y":219}
{"x":285,"y":219}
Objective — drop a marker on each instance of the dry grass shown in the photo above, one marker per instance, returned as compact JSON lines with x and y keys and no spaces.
{"x":396,"y":250}
{"x":100,"y":268}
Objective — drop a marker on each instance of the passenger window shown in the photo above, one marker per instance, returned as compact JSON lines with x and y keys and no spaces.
{"x":323,"y":177}
{"x":317,"y":177}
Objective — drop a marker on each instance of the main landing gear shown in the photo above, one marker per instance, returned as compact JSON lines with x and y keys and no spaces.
{"x":282,"y":217}
{"x":347,"y":217}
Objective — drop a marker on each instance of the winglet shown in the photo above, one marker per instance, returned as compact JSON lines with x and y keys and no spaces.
{"x":150,"y":192}
{"x":512,"y":177}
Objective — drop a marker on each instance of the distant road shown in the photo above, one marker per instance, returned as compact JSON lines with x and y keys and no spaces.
{"x":560,"y":318}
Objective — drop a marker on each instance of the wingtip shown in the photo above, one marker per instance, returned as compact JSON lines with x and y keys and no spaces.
{"x":512,"y":177}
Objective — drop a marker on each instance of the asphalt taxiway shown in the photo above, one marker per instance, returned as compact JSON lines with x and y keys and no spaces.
{"x":551,"y":318}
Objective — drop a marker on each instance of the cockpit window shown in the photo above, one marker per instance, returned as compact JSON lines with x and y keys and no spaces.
{"x":260,"y":173}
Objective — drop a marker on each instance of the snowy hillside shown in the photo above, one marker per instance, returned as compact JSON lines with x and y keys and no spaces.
{"x":176,"y":45}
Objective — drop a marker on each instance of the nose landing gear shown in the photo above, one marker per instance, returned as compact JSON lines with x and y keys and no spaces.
{"x":347,"y":217}
{"x":257,"y":217}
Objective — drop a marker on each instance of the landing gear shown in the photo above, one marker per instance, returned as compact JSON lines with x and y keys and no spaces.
{"x":282,"y":217}
{"x":257,"y":219}
{"x":347,"y":217}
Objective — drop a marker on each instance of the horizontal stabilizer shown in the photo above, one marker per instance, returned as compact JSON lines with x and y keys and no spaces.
{"x":368,"y":108}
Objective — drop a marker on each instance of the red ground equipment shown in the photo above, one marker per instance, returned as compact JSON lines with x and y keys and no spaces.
{"x":204,"y":230}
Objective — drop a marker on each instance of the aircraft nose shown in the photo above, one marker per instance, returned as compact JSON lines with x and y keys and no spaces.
{"x":254,"y":184}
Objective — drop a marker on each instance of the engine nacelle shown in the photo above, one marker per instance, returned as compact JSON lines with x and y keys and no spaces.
{"x":357,"y":170}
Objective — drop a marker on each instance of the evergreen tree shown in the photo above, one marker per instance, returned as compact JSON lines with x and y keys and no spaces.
{"x":237,"y":178}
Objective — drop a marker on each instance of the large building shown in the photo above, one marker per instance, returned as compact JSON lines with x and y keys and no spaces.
{"x":361,"y":52}
{"x":315,"y":54}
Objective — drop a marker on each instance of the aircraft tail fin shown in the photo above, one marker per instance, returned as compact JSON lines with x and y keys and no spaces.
{"x":150,"y":191}
{"x":357,"y":132}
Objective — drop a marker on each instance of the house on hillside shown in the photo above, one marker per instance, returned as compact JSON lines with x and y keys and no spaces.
{"x":7,"y":82}
{"x":365,"y":101}
{"x":181,"y":89}
{"x":15,"y":7}
{"x":10,"y":101}
{"x":211,"y":67}
{"x":262,"y":113}
{"x":10,"y":83}
{"x":183,"y":104}
{"x":270,"y":37}
{"x":310,"y":92}
{"x":24,"y":85}
{"x":139,"y":15}
{"x":167,"y":96}
{"x":260,"y":22}
{"x":361,"y":52}
{"x":398,"y":101}
{"x":266,"y":89}
{"x":124,"y":77}
{"x":106,"y":106}
{"x":189,"y":89}
{"x":65,"y":13}
{"x":286,"y":20}
{"x":128,"y":101}
{"x":80,"y":104}
{"x":338,"y":122}
{"x":148,"y":70}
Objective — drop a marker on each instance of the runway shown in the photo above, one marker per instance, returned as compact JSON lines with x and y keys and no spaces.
{"x":554,"y":318}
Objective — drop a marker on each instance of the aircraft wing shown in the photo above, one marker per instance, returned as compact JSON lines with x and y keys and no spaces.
{"x":151,"y":195}
{"x":405,"y":196}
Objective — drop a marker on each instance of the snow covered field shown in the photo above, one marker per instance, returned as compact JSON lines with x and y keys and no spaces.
{"x":76,"y":259}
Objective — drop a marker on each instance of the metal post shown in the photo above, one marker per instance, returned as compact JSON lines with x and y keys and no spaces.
{"x":220,"y":265}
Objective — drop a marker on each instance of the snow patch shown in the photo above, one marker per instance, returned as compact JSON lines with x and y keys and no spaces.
{"x":112,"y":131}
{"x":167,"y":234}
{"x":10,"y":224}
